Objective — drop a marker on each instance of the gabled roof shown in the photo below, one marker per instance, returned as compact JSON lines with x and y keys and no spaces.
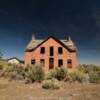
{"x":36,"y":43}
{"x":16,"y":59}
{"x":13,"y":58}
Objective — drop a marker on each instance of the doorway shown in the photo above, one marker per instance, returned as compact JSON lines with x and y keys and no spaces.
{"x":51,"y":63}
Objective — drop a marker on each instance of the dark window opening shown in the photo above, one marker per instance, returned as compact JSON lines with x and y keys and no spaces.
{"x":42,"y":62}
{"x":69,"y":63}
{"x":60,"y":62}
{"x":42,"y":50}
{"x":33,"y":61}
{"x":60,"y":50}
{"x":51,"y":63}
{"x":51,"y":51}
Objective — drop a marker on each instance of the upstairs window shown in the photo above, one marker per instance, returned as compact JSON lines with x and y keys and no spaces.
{"x":42,"y":50}
{"x":60,"y":62}
{"x":33,"y":61}
{"x":69,"y":63}
{"x":60,"y":50}
{"x":51,"y":51}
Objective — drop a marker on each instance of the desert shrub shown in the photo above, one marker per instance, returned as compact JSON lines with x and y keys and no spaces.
{"x":18,"y":72}
{"x":94,"y":77}
{"x":15,"y":76}
{"x":34,"y":73}
{"x":93,"y":72}
{"x":59,"y":73}
{"x":88,"y":68}
{"x":50,"y":84}
{"x":79,"y":76}
{"x":98,"y":74}
{"x":83,"y":78}
{"x":9,"y":64}
{"x":52,"y":74}
{"x":1,"y":67}
{"x":7,"y":70}
{"x":74,"y":76}
{"x":13,"y":72}
{"x":48,"y":75}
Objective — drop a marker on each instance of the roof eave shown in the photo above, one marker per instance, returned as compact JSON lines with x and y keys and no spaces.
{"x":70,"y":50}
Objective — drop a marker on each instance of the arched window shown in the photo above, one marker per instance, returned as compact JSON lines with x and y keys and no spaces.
{"x":69,"y":63}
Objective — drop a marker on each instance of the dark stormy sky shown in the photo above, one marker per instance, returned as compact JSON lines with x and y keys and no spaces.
{"x":80,"y":19}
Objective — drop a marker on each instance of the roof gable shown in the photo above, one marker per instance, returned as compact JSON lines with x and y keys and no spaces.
{"x":41,"y":42}
{"x":15,"y":58}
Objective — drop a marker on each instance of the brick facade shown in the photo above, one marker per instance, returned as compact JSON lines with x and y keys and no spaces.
{"x":51,"y":42}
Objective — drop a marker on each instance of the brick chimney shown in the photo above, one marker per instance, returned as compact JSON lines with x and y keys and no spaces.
{"x":33,"y":38}
{"x":69,"y":38}
{"x":69,"y":42}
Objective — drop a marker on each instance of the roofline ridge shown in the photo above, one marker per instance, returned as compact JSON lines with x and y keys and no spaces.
{"x":56,"y":39}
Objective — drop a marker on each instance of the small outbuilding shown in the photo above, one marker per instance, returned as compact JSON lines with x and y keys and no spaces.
{"x":14,"y":60}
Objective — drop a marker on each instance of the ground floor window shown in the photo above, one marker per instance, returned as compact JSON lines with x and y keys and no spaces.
{"x":42,"y":62}
{"x":69,"y":63}
{"x":33,"y":61}
{"x":60,"y":62}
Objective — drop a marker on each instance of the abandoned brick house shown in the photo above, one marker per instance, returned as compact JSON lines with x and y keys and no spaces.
{"x":51,"y":53}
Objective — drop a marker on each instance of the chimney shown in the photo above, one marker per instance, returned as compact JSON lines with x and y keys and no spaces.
{"x":33,"y":38}
{"x":69,"y":42}
{"x":69,"y":38}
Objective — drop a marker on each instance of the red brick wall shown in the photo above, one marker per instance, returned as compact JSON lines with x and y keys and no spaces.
{"x":51,"y":42}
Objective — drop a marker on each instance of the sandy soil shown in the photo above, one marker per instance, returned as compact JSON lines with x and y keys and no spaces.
{"x":17,"y":90}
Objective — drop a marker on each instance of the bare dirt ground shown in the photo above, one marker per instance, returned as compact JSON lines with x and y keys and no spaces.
{"x":17,"y":90}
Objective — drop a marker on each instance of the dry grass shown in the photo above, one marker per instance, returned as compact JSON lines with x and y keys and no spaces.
{"x":17,"y":90}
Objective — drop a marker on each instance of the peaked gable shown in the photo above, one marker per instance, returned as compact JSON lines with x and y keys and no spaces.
{"x":55,"y":39}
